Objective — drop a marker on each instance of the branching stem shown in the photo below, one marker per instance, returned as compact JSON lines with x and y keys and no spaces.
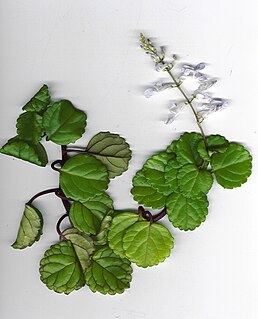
{"x":47,"y":191}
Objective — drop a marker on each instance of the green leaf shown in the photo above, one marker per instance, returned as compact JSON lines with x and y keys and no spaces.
{"x":29,"y":127}
{"x":82,"y":244}
{"x":108,"y":274}
{"x":186,"y":149}
{"x":120,"y":224}
{"x":147,"y":244}
{"x":63,"y":123}
{"x":233,"y":167}
{"x":112,"y":150}
{"x":145,"y":194}
{"x":60,"y":268}
{"x":194,"y":181}
{"x":216,"y":143}
{"x":30,"y":228}
{"x":34,"y":154}
{"x":171,"y":171}
{"x":83,"y":177}
{"x":186,"y":213}
{"x":101,"y":237}
{"x":172,"y":147}
{"x":154,"y":171}
{"x":39,"y":101}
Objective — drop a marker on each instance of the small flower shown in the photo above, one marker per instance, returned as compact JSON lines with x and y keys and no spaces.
{"x":205,"y":96}
{"x":205,"y":85}
{"x":157,"y":87}
{"x":174,"y":110}
{"x":188,"y":70}
{"x":215,"y":105}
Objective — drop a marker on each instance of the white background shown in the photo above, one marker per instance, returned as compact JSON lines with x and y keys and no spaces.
{"x":87,"y":51}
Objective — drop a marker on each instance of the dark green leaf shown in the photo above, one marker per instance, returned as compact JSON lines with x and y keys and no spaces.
{"x":39,"y":101}
{"x":29,"y":127}
{"x":30,"y":228}
{"x":186,"y":213}
{"x":60,"y":268}
{"x":216,"y":143}
{"x":63,"y":123}
{"x":186,"y":149}
{"x":101,"y":237}
{"x":233,"y":167}
{"x":108,"y":274}
{"x":171,"y":149}
{"x":112,"y":150}
{"x":83,"y":177}
{"x":171,"y":171}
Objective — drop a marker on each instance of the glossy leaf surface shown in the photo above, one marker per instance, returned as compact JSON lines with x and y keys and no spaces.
{"x":186,"y":149}
{"x":39,"y":101}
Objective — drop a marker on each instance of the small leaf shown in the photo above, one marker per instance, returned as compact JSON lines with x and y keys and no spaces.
{"x":30,"y":228}
{"x":60,"y":268}
{"x":193,"y":181}
{"x":39,"y":101}
{"x":108,"y":274}
{"x":63,"y":123}
{"x":112,"y":150}
{"x":82,"y":244}
{"x":171,"y":171}
{"x":83,"y":177}
{"x":145,"y":194}
{"x":186,"y":213}
{"x":29,"y":127}
{"x":154,"y":171}
{"x":186,"y":149}
{"x":147,"y":244}
{"x":233,"y":167}
{"x":120,"y":224}
{"x":216,"y":143}
{"x":34,"y":154}
{"x":171,"y":149}
{"x":101,"y":237}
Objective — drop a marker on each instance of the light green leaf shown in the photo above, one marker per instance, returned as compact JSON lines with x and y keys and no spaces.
{"x":60,"y":268}
{"x":63,"y":123}
{"x":108,"y":274}
{"x":101,"y":237}
{"x":34,"y":154}
{"x":120,"y":224}
{"x":186,"y":149}
{"x":39,"y":101}
{"x":83,"y":177}
{"x":186,"y":213}
{"x":82,"y":244}
{"x":112,"y":150}
{"x":29,"y":127}
{"x":154,"y":171}
{"x":233,"y":167}
{"x":216,"y":143}
{"x":145,"y":194}
{"x":194,"y":181}
{"x":30,"y":228}
{"x":147,"y":244}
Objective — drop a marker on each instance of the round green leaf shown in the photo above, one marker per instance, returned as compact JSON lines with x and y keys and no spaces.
{"x":233,"y":167}
{"x":82,"y":244}
{"x":108,"y":274}
{"x":112,"y":150}
{"x":145,"y":194}
{"x":39,"y":101}
{"x":194,"y":181}
{"x":60,"y":268}
{"x":83,"y":177}
{"x":154,"y":171}
{"x":147,"y":244}
{"x":119,"y":225}
{"x":186,"y":213}
{"x":216,"y":143}
{"x":171,"y":149}
{"x":34,"y":154}
{"x":63,"y":123}
{"x":100,"y":238}
{"x":186,"y":149}
{"x":30,"y":228}
{"x":29,"y":127}
{"x":171,"y":171}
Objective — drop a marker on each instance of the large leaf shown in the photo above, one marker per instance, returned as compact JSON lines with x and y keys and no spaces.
{"x":82,"y":244}
{"x":63,"y":123}
{"x":145,"y":194}
{"x":154,"y":171}
{"x":186,"y":213}
{"x":83,"y":177}
{"x":30,"y":228}
{"x":39,"y":101}
{"x":216,"y":143}
{"x":60,"y":268}
{"x":29,"y":127}
{"x":194,"y":181}
{"x":119,"y":225}
{"x":108,"y":274}
{"x":112,"y":150}
{"x":35,"y":154}
{"x":233,"y":167}
{"x":147,"y":244}
{"x":186,"y":149}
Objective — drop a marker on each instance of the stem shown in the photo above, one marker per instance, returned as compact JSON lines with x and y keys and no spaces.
{"x":151,"y":218}
{"x":47,"y":191}
{"x":59,"y":223}
{"x":78,"y":150}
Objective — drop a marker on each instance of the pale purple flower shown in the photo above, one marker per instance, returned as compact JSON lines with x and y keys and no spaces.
{"x":205,"y":85}
{"x":215,"y":105}
{"x":157,"y":87}
{"x":174,"y":110}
